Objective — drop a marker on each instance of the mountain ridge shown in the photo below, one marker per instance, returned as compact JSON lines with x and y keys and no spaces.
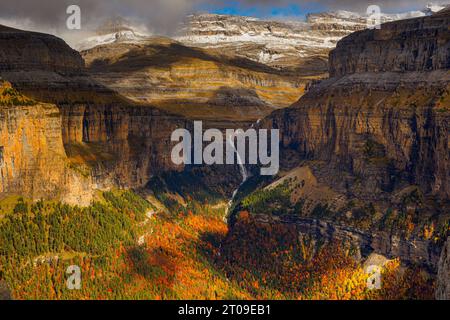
{"x":273,"y":42}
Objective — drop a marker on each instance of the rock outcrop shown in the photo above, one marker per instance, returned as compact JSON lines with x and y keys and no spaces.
{"x":387,"y":127}
{"x":413,"y":251}
{"x":119,"y":145}
{"x":72,"y":135}
{"x":5,"y":293}
{"x":299,"y":46}
{"x":421,"y":44}
{"x":33,"y":160}
{"x":443,"y":277}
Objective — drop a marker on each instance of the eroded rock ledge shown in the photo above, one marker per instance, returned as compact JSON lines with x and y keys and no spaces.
{"x":421,"y":44}
{"x":410,"y":251}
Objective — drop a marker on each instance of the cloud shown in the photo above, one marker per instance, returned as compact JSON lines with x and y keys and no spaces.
{"x":52,"y":13}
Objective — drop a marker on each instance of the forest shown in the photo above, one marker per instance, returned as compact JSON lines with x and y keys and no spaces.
{"x":186,"y":254}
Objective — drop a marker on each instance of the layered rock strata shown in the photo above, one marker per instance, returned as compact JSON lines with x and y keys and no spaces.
{"x":375,"y":131}
{"x":384,"y":121}
{"x":74,"y":135}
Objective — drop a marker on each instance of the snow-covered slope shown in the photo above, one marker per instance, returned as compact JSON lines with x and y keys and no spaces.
{"x":129,"y":36}
{"x":114,"y":30}
{"x":279,"y":43}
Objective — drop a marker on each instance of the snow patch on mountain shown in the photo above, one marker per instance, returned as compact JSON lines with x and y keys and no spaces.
{"x":116,"y":29}
{"x":276,"y":43}
{"x":121,"y":36}
{"x":280,"y":42}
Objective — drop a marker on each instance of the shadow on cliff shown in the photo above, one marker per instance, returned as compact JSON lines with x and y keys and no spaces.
{"x":236,"y":97}
{"x":165,"y":56}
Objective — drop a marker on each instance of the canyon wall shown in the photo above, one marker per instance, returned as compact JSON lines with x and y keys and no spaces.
{"x":33,"y":161}
{"x":74,"y":135}
{"x":123,"y":145}
{"x":374,"y":131}
{"x":413,"y":251}
{"x":28,"y":51}
{"x":421,"y":44}
{"x":388,"y":127}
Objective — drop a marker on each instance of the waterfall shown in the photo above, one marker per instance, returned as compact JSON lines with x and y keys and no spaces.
{"x":242,"y":169}
{"x":243,"y":172}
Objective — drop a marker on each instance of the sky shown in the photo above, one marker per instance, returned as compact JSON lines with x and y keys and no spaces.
{"x":289,"y":9}
{"x":163,"y":16}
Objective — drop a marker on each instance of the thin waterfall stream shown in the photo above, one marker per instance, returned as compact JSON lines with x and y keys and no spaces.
{"x":242,"y":169}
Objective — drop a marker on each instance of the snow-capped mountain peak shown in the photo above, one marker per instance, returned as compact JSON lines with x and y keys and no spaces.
{"x":120,"y":36}
{"x":276,"y":43}
{"x":114,"y":30}
{"x":433,"y":8}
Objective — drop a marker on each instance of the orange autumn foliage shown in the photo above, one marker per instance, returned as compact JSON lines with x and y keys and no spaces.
{"x":195,"y":256}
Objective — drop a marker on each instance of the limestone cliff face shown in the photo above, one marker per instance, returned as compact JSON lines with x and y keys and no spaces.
{"x":386,"y":127}
{"x":285,"y":45}
{"x":421,"y":44}
{"x":121,"y":145}
{"x":443,"y":279}
{"x":378,"y":128}
{"x":74,"y":135}
{"x":33,"y":160}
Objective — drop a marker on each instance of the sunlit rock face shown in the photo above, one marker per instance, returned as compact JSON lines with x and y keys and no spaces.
{"x":373,"y":132}
{"x":63,"y":135}
{"x":197,"y":83}
{"x":403,"y":111}
{"x":412,"y":45}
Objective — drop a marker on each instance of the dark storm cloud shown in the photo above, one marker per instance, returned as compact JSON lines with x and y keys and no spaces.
{"x":52,"y":13}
